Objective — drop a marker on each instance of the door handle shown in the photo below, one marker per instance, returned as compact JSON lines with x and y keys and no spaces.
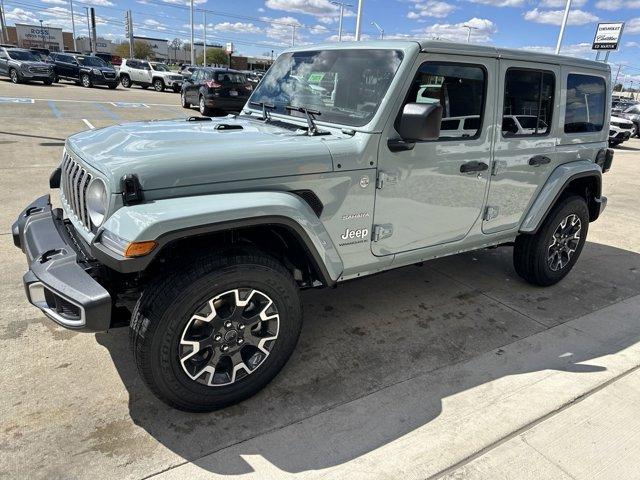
{"x":473,"y":166}
{"x":539,"y":160}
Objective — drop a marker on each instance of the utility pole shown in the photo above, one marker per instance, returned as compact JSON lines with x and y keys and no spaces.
{"x":380,"y":30}
{"x":193,"y":51}
{"x":359,"y":20}
{"x":615,"y":82}
{"x":293,"y":35}
{"x":469,"y":28}
{"x":204,"y":35}
{"x":3,"y":25}
{"x":341,"y":5}
{"x":562,"y":27}
{"x":73,"y":26}
{"x":86,"y":9}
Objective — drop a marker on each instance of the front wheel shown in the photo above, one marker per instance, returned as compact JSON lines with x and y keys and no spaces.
{"x":125,"y":81}
{"x":86,"y":81}
{"x":158,"y":85}
{"x":14,"y":76}
{"x":216,"y":331}
{"x":183,"y":100}
{"x":547,"y":256}
{"x":48,"y":81}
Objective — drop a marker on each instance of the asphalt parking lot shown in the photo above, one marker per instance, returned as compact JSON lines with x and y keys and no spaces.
{"x":455,"y":369}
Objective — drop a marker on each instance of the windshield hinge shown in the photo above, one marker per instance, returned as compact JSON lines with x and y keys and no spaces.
{"x":382,"y":231}
{"x":385,"y":179}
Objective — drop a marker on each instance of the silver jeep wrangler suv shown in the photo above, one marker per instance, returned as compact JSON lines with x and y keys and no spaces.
{"x":347,"y":160}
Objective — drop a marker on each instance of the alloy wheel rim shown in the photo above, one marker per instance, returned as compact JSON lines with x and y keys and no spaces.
{"x":183,"y":99}
{"x":201,"y":105}
{"x":85,"y":80}
{"x":158,"y":86}
{"x":564,"y":242}
{"x":14,"y":76}
{"x":229,"y":337}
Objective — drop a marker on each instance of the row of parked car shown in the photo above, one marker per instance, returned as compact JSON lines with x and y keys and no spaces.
{"x":625,"y":120}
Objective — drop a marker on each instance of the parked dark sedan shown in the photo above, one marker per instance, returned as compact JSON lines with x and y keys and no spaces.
{"x":216,"y":91}
{"x":85,"y":70}
{"x":21,"y":65}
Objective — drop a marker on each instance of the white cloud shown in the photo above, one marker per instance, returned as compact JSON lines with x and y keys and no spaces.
{"x":56,"y":2}
{"x":617,"y":4}
{"x":632,"y":44}
{"x":482,"y":31}
{"x":318,"y":30}
{"x":347,"y":37}
{"x":632,"y":26}
{"x":183,"y":2}
{"x":19,"y":15}
{"x":581,"y":50}
{"x":561,"y":3}
{"x":100,"y":3}
{"x":430,"y":8}
{"x":154,"y":25}
{"x":310,"y":7}
{"x":501,"y":3}
{"x":237,"y":27}
{"x":554,"y":17}
{"x":281,"y":29}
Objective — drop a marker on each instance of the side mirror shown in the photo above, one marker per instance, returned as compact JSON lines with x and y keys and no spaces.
{"x":420,"y":122}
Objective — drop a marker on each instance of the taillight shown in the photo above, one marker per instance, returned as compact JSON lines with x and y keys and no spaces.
{"x":248,"y":86}
{"x":212,"y":84}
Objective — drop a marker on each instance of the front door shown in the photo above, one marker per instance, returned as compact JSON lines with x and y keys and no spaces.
{"x":434,"y":193}
{"x":4,"y":63}
{"x":525,"y":149}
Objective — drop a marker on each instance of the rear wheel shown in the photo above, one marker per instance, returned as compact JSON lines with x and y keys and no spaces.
{"x":144,"y":86}
{"x":547,"y":256}
{"x":125,"y":81}
{"x":158,"y":85}
{"x":113,"y":86}
{"x":636,"y":129}
{"x":202,"y":107}
{"x":48,"y":81}
{"x":216,"y":331}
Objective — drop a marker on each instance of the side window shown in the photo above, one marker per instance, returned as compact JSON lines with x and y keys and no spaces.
{"x":197,"y":76}
{"x":460,"y":89}
{"x":528,"y":102}
{"x":3,"y":55}
{"x":585,"y":108}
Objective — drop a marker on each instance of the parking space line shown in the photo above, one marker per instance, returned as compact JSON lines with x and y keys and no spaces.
{"x":88,"y":124}
{"x":16,"y":100}
{"x":129,"y":105}
{"x":107,"y":112}
{"x":54,"y":109}
{"x":31,"y":100}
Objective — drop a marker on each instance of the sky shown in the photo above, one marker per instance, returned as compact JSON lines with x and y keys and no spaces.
{"x":258,"y":26}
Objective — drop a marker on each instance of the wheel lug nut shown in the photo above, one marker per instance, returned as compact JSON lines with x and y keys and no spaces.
{"x":240,"y":341}
{"x":217,"y":338}
{"x":241,"y":327}
{"x":227,"y":324}
{"x":224,"y":347}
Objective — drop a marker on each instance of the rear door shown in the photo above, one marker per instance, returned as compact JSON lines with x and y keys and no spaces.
{"x":191,"y":88}
{"x":523,"y":157}
{"x":4,"y":62}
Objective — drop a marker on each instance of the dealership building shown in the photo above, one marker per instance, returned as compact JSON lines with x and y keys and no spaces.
{"x":28,"y":36}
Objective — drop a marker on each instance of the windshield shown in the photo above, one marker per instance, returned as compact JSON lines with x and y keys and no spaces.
{"x":345,"y":86}
{"x":22,"y":55}
{"x":160,"y":67}
{"x":92,"y":62}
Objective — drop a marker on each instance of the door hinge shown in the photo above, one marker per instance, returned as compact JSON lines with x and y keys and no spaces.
{"x":384,"y":179}
{"x":382,"y":231}
{"x":490,"y":212}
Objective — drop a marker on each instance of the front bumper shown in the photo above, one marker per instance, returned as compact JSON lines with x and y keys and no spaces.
{"x":169,"y":83}
{"x":56,"y":282}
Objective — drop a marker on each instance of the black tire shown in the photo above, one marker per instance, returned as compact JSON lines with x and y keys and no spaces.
{"x":144,"y":86}
{"x":165,"y":310}
{"x":183,"y":100}
{"x":203,"y":109}
{"x":531,"y":253}
{"x":113,"y":86}
{"x":636,"y":130}
{"x":125,"y":81}
{"x":85,"y":80}
{"x":176,"y":89}
{"x":56,"y":79}
{"x":48,"y":81}
{"x":14,"y":75}
{"x":158,"y":85}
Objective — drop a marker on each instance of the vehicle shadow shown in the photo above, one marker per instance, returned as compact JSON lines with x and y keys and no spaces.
{"x":362,"y":341}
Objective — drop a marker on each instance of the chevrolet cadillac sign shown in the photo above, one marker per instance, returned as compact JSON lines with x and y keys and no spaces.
{"x":608,"y":36}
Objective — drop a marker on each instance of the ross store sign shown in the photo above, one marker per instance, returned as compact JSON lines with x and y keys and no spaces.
{"x":608,"y":36}
{"x":31,"y":35}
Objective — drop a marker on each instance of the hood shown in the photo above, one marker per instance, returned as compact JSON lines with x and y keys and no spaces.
{"x":30,"y":63}
{"x":621,"y":120}
{"x":166,"y":74}
{"x":180,"y":153}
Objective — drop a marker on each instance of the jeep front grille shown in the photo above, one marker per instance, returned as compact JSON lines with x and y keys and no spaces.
{"x":74,"y":183}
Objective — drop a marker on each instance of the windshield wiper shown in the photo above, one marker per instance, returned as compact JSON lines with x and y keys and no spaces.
{"x":312,"y":129}
{"x":265,"y":106}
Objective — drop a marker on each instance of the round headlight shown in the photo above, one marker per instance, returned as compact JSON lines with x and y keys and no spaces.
{"x":97,"y":201}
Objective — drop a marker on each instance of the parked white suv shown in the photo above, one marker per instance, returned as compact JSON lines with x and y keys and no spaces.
{"x":620,"y":130}
{"x":149,"y":74}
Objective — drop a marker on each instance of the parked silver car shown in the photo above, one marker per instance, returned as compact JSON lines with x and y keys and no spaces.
{"x":21,"y":65}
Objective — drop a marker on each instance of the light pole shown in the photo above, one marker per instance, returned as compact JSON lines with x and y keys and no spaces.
{"x":359,"y":20}
{"x":42,"y":32}
{"x":4,"y":37}
{"x":341,"y":5}
{"x":293,"y":35}
{"x":73,"y":26}
{"x":86,"y":9}
{"x":562,"y":27}
{"x":193,"y":51}
{"x":204,"y":36}
{"x":380,"y":30}
{"x":469,"y":28}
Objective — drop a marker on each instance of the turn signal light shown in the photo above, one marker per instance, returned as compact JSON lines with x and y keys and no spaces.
{"x":138,"y":249}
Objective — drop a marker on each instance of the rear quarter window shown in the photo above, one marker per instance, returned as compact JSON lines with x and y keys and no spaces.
{"x":586,"y":103}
